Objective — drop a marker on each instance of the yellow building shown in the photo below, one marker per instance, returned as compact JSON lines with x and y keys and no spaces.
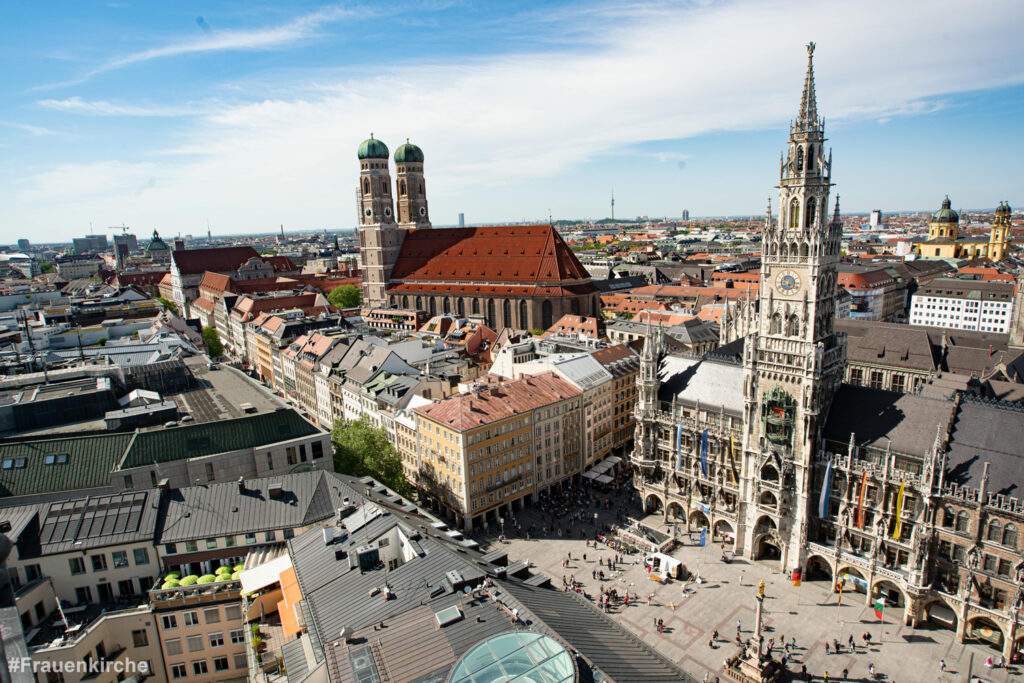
{"x":476,"y":450}
{"x":944,"y":239}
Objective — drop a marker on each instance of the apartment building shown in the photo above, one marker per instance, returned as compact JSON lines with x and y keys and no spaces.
{"x":875,"y":294}
{"x":985,"y":306}
{"x":478,"y":451}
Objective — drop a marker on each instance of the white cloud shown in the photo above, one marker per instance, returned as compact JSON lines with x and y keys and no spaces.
{"x":28,"y":128}
{"x":662,"y":73}
{"x":214,"y":41}
{"x":76,"y":105}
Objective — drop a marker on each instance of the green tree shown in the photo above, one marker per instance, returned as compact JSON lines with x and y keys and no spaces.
{"x":345,"y":296}
{"x":46,"y":267}
{"x":213,"y":344}
{"x":168,"y":304}
{"x":361,"y":449}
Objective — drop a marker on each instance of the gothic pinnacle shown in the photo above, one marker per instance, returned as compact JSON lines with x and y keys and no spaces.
{"x":807,"y":118}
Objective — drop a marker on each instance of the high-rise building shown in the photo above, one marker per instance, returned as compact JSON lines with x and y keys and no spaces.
{"x":686,"y":214}
{"x":876,"y":218}
{"x":89,"y":244}
{"x":23,"y":244}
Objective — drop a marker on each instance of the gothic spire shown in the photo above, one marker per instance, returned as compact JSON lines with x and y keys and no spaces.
{"x":807,"y":119}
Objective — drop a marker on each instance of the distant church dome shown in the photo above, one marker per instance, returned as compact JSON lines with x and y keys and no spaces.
{"x":408,"y":153}
{"x":946,"y":214}
{"x":157,"y":244}
{"x":372,"y":148}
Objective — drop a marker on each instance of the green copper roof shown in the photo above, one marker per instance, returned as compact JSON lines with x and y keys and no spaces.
{"x":408,"y":153}
{"x":63,"y":464}
{"x":372,"y":148}
{"x":946,"y":214}
{"x":208,"y":438}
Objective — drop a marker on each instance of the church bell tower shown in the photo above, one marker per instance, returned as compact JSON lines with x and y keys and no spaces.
{"x":793,"y":361}
{"x":379,"y":237}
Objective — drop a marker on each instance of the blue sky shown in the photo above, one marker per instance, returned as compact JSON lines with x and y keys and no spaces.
{"x":247,"y":115}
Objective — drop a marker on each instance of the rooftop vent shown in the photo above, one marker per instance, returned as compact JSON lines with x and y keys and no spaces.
{"x":275,"y":491}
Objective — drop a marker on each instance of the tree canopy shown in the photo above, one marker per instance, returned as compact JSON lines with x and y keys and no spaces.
{"x":345,"y":296}
{"x":361,"y":449}
{"x":213,"y":343}
{"x":168,"y":304}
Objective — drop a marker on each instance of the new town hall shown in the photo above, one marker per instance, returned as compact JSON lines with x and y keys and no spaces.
{"x":910,"y":497}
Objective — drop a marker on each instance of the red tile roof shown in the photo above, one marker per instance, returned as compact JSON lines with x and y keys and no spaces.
{"x":281,"y":264}
{"x":219,"y":259}
{"x":576,"y":324}
{"x":516,"y":254}
{"x":498,"y":401}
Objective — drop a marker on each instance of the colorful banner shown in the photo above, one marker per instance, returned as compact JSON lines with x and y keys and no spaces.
{"x":704,"y":453}
{"x":899,"y":512}
{"x":860,"y":503}
{"x":679,"y":445}
{"x":825,"y":488}
{"x":704,"y":536}
{"x":879,"y":606}
{"x":732,"y":462}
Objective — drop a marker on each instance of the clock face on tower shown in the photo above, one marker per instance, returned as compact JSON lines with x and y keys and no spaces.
{"x":787,"y":282}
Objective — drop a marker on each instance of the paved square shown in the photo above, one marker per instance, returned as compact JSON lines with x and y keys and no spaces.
{"x":726,"y":597}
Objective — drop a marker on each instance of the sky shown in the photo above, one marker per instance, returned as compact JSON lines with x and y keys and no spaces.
{"x":243,"y":116}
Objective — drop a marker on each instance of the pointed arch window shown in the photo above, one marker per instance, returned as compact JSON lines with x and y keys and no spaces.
{"x":793,"y":326}
{"x":366,"y":186}
{"x":776,"y":324}
{"x":506,"y":313}
{"x":794,"y":213}
{"x":545,"y":314}
{"x":522,"y":315}
{"x":476,"y":306}
{"x":810,"y":158}
{"x":995,"y":531}
{"x":490,"y":313}
{"x":401,"y":188}
{"x":800,"y":158}
{"x":460,"y":306}
{"x":812,"y":206}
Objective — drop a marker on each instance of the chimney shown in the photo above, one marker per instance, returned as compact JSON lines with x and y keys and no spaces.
{"x":241,"y":485}
{"x":275,"y":491}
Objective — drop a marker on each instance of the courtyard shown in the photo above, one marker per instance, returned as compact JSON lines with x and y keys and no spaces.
{"x":725,"y":601}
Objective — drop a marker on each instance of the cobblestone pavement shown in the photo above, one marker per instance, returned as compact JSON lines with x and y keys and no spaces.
{"x":726,"y":599}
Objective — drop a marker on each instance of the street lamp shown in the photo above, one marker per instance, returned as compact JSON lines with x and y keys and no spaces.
{"x":501,"y":521}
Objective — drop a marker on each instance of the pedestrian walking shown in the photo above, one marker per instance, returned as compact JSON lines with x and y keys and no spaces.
{"x":852,"y":646}
{"x":714,"y":635}
{"x":827,"y":651}
{"x":803,"y":671}
{"x":871,"y":669}
{"x":825,"y":677}
{"x":739,"y":625}
{"x":846,"y":674}
{"x":942,"y":665}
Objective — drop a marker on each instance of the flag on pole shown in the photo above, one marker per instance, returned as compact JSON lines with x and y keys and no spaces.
{"x":860,"y":502}
{"x":825,"y":486}
{"x":842,"y":579}
{"x":878,"y":607}
{"x":899,"y":512}
{"x":704,"y":453}
{"x":704,"y":536}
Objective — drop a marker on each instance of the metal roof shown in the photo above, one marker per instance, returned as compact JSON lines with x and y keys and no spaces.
{"x":213,"y":510}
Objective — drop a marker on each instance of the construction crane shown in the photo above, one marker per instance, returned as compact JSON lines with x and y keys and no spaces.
{"x":123,"y":228}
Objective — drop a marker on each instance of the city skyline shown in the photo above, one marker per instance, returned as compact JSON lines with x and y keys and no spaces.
{"x":249,"y":117}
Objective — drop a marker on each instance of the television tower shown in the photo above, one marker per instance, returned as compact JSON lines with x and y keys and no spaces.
{"x":613,"y":205}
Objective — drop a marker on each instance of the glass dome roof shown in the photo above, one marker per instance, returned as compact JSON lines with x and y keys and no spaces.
{"x":519,"y":657}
